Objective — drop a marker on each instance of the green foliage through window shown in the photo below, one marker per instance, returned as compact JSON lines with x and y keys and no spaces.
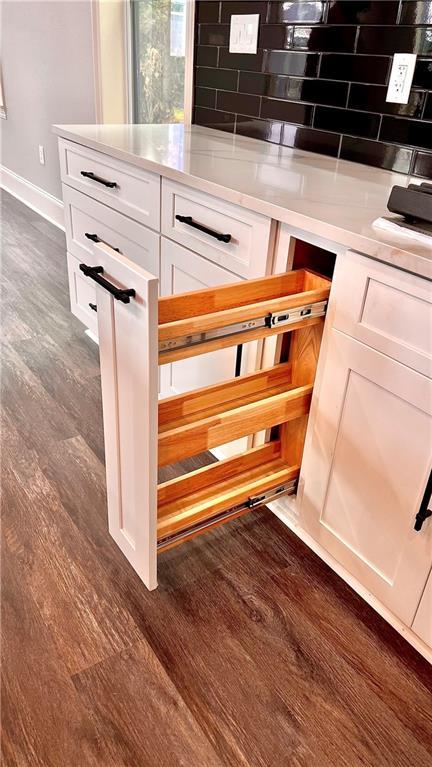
{"x":158,"y":33}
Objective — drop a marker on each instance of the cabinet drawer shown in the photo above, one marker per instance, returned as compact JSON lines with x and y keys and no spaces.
{"x":136,"y":333}
{"x":82,"y":292}
{"x":387,"y":309}
{"x":130,"y":190}
{"x":84,"y":216}
{"x":246,"y":252}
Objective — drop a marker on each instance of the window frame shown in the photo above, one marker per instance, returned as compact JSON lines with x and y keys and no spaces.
{"x":113,"y":52}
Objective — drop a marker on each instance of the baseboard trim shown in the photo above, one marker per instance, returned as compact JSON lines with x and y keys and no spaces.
{"x":33,"y":196}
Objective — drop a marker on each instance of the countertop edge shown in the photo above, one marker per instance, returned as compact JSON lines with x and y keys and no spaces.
{"x":381,"y":251}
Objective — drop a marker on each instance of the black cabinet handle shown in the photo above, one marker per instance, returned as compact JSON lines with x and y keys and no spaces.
{"x":95,"y":273}
{"x":96,"y":238}
{"x":423,"y":512}
{"x":93,"y":306}
{"x":217,"y":235}
{"x":99,"y":179}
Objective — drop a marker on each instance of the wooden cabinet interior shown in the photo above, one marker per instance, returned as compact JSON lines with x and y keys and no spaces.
{"x":205,"y":418}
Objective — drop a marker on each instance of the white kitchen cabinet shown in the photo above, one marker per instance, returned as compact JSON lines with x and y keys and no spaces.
{"x":229,"y":235}
{"x":422,"y":624}
{"x":132,"y":191}
{"x":366,"y":463}
{"x":136,"y":332}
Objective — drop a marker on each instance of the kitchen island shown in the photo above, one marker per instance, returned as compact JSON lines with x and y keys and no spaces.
{"x":188,"y":210}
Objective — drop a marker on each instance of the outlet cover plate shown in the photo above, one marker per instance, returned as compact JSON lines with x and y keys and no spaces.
{"x":244,"y":33}
{"x":401,"y":77}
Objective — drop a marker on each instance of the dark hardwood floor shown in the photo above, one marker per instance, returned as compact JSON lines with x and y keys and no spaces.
{"x":251,"y":653}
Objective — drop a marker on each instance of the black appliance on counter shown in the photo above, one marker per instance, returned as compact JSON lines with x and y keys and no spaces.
{"x":414,"y":202}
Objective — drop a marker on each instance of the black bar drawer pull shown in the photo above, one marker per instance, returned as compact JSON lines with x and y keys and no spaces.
{"x":99,"y":179}
{"x":93,"y":306}
{"x":95,"y":273}
{"x":96,"y":238}
{"x":424,"y":512}
{"x":190,"y":222}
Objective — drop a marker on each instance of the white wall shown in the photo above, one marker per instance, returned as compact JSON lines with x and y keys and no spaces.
{"x":46,"y":56}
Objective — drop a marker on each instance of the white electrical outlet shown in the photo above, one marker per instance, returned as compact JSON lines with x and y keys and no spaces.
{"x":244,"y":33}
{"x":41,"y":155}
{"x":401,"y":76}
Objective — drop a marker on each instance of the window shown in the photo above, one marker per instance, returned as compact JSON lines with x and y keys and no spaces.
{"x":158,"y":60}
{"x":2,"y":101}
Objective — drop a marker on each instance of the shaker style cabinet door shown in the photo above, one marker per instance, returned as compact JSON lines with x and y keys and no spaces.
{"x":129,"y":364}
{"x":366,"y":464}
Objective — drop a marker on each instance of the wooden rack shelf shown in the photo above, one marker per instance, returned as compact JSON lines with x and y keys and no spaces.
{"x":243,"y":305}
{"x":198,"y":497}
{"x":192,"y":423}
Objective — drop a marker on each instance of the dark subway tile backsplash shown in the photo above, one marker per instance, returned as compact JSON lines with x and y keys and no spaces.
{"x":222,"y":79}
{"x":229,"y":7}
{"x":376,"y":153}
{"x":355,"y":12}
{"x":287,"y":111}
{"x":347,"y":121}
{"x":294,"y":88}
{"x":266,"y":130}
{"x":318,"y":81}
{"x":423,"y":164}
{"x":290,"y":63}
{"x":208,"y":12}
{"x":206,"y":56}
{"x":334,"y":39}
{"x":311,"y":140}
{"x":241,"y":61}
{"x":373,"y":98}
{"x":416,"y":12}
{"x":214,"y":34}
{"x":213,"y":118}
{"x":412,"y":132}
{"x":205,"y":97}
{"x":390,"y":40}
{"x":297,"y":12}
{"x":356,"y":69}
{"x":423,"y":73}
{"x":427,"y":114}
{"x":238,"y":102}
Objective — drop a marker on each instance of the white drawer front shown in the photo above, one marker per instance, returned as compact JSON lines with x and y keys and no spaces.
{"x":86,"y":216}
{"x":82,"y":293}
{"x":137,"y":192}
{"x":386,"y":308}
{"x":245,"y":254}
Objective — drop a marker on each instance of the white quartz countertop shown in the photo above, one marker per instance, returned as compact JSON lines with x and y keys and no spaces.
{"x":333,"y":199}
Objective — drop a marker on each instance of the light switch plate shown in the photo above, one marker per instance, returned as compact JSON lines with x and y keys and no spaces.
{"x":244,"y":33}
{"x":401,"y":77}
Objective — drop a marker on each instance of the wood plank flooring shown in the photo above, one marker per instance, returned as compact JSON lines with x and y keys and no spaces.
{"x":251,"y":653}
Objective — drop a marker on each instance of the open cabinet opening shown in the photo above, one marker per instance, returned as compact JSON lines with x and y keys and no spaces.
{"x":190,"y":424}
